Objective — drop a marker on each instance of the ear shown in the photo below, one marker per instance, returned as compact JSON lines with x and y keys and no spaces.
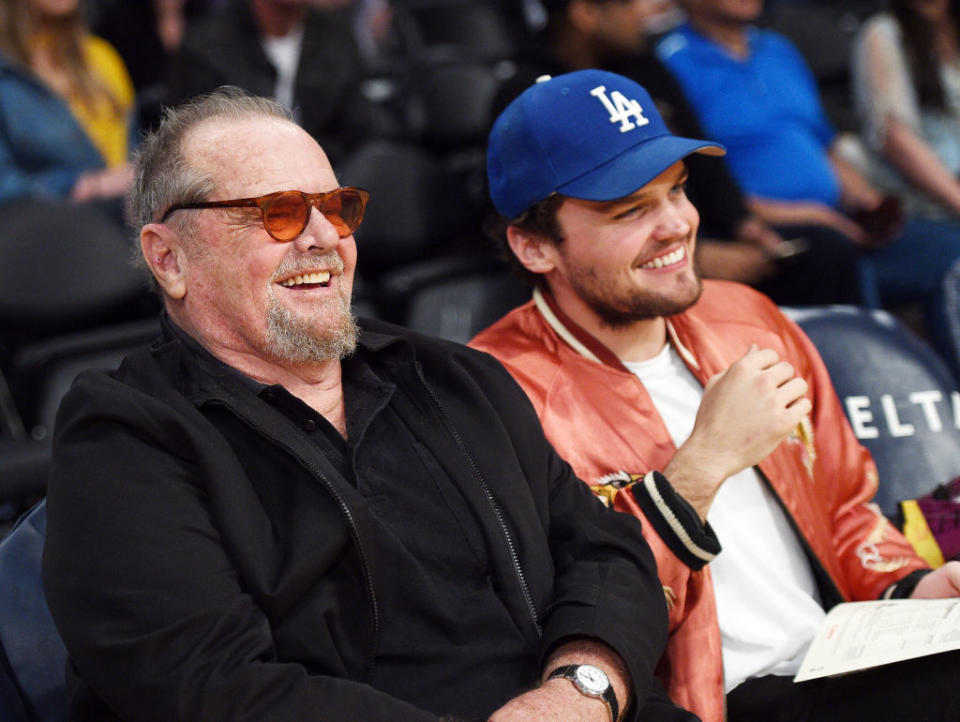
{"x":163,"y":253}
{"x":583,"y":15}
{"x":538,"y":255}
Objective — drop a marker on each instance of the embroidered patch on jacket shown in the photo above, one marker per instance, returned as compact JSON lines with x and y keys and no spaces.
{"x":802,"y":435}
{"x":609,"y":485}
{"x":869,"y":554}
{"x":671,"y":597}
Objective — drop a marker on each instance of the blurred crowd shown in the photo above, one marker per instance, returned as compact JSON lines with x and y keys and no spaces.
{"x":842,"y":124}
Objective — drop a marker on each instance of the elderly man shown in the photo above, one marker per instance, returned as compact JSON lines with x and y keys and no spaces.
{"x":634,"y":365}
{"x":268,"y":516}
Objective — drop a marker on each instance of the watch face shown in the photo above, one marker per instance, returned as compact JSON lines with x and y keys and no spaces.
{"x":592,"y":679}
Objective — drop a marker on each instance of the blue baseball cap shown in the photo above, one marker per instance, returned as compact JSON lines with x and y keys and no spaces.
{"x":589,"y":134}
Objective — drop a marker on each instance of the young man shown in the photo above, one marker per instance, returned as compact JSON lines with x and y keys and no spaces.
{"x":267,"y":517}
{"x":635,"y":365}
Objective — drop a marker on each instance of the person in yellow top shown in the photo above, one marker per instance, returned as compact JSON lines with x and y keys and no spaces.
{"x":66,"y":105}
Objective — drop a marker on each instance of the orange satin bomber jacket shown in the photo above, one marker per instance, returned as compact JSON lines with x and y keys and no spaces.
{"x":599,"y":417}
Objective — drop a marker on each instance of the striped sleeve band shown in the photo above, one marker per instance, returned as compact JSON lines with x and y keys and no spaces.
{"x":693,"y":542}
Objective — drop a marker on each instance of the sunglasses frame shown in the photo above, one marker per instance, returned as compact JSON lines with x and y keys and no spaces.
{"x":311,"y":200}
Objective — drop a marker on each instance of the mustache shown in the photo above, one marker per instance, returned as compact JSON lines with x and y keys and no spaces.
{"x":330,"y":261}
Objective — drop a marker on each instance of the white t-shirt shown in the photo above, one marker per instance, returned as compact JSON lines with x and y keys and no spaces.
{"x":767,"y":600}
{"x":284,"y":53}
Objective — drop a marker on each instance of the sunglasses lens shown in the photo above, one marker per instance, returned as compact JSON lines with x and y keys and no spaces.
{"x":344,"y":210}
{"x":286,"y":216}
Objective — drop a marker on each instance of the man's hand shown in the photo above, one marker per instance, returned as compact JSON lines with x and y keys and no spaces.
{"x":105,"y":183}
{"x":745,"y":413}
{"x":940,"y":583}
{"x":855,"y":190}
{"x":556,"y":700}
{"x":757,"y":232}
{"x":795,"y":213}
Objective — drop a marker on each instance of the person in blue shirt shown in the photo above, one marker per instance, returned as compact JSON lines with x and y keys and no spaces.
{"x":754,"y":92}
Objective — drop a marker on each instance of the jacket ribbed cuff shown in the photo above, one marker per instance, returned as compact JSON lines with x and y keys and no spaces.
{"x":904,"y":588}
{"x":675,"y":521}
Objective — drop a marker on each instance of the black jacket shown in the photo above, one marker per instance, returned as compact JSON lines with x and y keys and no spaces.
{"x":184,"y":589}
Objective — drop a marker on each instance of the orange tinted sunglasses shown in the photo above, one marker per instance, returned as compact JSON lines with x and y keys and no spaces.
{"x":286,"y":213}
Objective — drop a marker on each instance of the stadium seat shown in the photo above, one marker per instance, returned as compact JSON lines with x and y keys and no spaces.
{"x":34,"y":687}
{"x":457,"y":307}
{"x":69,"y":299}
{"x":40,"y":375}
{"x":450,"y":103}
{"x":458,"y":29}
{"x":414,"y":205}
{"x":900,"y":397}
{"x":63,"y":267}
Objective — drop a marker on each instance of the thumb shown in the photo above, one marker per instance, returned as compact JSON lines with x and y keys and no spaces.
{"x":714,"y":380}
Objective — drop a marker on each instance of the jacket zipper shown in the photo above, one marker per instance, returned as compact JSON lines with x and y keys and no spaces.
{"x":344,"y":508}
{"x":518,"y":570}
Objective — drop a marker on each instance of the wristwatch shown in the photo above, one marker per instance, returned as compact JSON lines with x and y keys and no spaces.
{"x":591,"y":681}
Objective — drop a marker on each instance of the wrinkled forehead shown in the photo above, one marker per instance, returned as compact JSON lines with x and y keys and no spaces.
{"x":257,"y":155}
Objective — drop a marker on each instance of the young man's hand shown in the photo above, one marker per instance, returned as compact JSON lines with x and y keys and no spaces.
{"x":745,"y":413}
{"x":940,"y":583}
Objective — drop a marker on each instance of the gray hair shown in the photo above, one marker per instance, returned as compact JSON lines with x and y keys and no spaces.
{"x":163,"y":176}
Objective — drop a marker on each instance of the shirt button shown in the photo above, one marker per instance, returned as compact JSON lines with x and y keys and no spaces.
{"x":309,"y":425}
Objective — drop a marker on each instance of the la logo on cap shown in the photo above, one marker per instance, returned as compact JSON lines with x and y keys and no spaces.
{"x":621,"y":108}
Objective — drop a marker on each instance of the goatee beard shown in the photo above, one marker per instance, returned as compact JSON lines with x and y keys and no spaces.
{"x":299,"y":340}
{"x":313,"y":338}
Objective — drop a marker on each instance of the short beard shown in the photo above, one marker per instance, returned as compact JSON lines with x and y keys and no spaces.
{"x":306,"y":340}
{"x":619,"y":313}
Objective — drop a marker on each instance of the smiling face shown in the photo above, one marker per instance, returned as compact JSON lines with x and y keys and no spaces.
{"x":627,"y":260}
{"x":244,"y":291}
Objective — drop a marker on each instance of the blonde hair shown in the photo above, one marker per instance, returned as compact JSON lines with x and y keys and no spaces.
{"x":19,"y":25}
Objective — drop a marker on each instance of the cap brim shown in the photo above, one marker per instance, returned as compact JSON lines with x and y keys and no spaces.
{"x":634,"y":168}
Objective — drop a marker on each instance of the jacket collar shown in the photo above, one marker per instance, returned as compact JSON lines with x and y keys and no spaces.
{"x":585,"y":344}
{"x":206,"y":373}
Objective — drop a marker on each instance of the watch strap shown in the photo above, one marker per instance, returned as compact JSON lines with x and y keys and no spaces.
{"x":569,"y":671}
